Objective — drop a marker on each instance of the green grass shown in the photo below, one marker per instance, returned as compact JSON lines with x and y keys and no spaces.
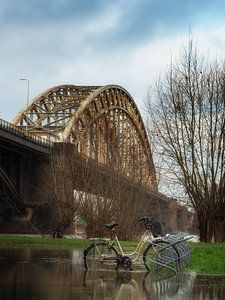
{"x":206,"y":258}
{"x":10,"y":241}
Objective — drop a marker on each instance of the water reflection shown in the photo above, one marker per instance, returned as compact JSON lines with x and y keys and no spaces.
{"x":31,"y":274}
{"x":169,"y":286}
{"x":128,"y":285}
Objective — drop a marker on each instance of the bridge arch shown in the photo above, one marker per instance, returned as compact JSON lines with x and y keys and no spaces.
{"x":102,"y":121}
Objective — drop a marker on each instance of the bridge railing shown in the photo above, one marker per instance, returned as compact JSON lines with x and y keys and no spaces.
{"x":18,"y":131}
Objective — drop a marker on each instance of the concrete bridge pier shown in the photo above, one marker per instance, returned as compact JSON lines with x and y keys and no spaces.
{"x":182,"y":219}
{"x":169,"y":215}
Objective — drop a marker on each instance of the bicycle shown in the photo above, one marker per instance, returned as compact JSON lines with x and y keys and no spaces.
{"x":108,"y":254}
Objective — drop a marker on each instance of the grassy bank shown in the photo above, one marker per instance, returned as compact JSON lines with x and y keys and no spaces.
{"x":206,"y":258}
{"x":48,"y":243}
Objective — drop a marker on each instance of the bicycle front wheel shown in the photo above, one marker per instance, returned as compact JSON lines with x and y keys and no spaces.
{"x":161,"y":255}
{"x":101,"y":256}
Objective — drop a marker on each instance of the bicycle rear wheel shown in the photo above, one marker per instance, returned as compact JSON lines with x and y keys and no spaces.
{"x":161,"y":255}
{"x":101,"y":256}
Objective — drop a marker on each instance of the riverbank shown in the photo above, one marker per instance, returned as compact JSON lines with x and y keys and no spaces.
{"x":20,"y":241}
{"x":206,"y":258}
{"x":68,"y":243}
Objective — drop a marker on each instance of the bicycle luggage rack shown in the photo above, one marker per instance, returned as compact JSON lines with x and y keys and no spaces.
{"x":174,"y":256}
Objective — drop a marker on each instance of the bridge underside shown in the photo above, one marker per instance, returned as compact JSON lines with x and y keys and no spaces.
{"x":19,"y":156}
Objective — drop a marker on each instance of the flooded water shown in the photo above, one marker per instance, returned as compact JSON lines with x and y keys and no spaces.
{"x":31,"y":274}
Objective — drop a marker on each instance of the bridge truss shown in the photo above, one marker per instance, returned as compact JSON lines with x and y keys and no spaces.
{"x":103,"y":122}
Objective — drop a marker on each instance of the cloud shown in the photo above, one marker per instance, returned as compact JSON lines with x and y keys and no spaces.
{"x":126,"y":42}
{"x":138,"y":18}
{"x":43,"y":12}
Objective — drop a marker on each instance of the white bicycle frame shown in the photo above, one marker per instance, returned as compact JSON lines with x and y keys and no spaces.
{"x":146,"y":237}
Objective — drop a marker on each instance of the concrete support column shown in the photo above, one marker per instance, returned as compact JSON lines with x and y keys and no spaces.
{"x":156,"y":211}
{"x":169,"y":215}
{"x":183,"y":219}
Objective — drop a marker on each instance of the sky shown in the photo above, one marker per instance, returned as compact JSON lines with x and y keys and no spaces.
{"x":98,"y":42}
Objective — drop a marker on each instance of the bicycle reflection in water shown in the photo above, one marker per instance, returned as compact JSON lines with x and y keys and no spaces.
{"x":124,"y":285}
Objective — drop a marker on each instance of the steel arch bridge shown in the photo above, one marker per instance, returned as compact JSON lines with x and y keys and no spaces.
{"x":103,"y":122}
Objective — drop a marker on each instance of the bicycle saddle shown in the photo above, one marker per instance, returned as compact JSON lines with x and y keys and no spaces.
{"x":111,"y":226}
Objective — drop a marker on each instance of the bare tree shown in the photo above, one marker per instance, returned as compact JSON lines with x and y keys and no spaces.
{"x":99,"y":194}
{"x":187,"y":126}
{"x":112,"y":197}
{"x":63,"y":176}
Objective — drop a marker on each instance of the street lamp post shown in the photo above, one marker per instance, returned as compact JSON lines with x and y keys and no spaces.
{"x":28,"y":89}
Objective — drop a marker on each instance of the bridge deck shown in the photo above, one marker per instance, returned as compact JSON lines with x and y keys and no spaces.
{"x":12,"y":134}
